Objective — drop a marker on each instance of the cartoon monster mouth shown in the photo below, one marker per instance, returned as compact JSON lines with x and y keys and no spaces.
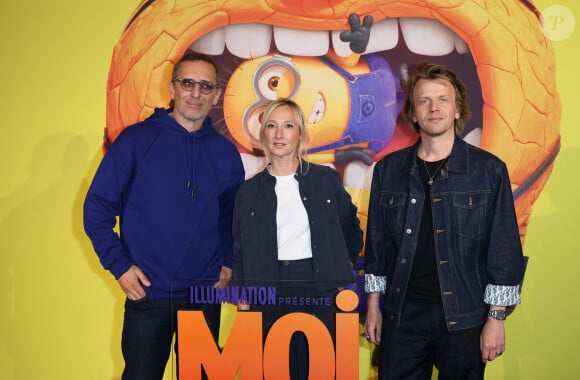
{"x":497,"y":48}
{"x":401,"y":41}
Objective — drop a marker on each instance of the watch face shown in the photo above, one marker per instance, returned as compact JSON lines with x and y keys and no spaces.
{"x":498,"y":314}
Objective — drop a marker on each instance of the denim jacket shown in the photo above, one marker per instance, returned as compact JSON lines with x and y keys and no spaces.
{"x":336,"y":237}
{"x":477,"y":242}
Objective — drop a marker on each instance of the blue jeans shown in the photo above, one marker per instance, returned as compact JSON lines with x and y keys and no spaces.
{"x":422,"y":341}
{"x":148,"y":329}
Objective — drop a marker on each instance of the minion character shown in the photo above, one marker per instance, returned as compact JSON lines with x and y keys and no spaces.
{"x":352,"y":111}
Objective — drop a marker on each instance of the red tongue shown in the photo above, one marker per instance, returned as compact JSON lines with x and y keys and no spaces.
{"x":403,"y":136}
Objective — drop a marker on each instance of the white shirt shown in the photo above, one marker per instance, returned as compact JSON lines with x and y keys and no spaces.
{"x":292,"y":221}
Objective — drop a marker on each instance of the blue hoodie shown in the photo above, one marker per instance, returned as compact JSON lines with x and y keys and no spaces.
{"x":173,"y":191}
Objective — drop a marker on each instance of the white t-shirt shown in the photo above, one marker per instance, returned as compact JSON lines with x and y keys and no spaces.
{"x":292,"y":221}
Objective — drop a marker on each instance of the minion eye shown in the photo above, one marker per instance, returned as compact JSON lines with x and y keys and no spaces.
{"x":273,"y":83}
{"x":269,"y":80}
{"x":276,"y":77}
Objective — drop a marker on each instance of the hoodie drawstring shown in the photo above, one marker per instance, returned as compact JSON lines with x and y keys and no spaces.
{"x":191,"y":152}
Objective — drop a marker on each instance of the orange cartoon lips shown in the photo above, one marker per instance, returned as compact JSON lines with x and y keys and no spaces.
{"x":496,"y":47}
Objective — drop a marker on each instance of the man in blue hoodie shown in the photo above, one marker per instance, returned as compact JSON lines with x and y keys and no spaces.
{"x":171,"y":180}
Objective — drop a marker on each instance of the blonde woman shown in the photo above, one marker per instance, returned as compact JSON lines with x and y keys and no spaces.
{"x":294,"y":225}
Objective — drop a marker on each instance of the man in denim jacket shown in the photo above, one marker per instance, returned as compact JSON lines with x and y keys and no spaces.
{"x":442,"y":243}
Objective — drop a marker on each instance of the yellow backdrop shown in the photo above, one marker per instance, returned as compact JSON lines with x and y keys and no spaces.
{"x":60,"y":313}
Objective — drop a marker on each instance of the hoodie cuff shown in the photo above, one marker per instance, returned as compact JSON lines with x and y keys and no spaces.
{"x":120,"y":267}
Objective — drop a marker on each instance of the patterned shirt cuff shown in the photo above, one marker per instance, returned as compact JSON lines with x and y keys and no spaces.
{"x":500,"y":295}
{"x":375,"y":284}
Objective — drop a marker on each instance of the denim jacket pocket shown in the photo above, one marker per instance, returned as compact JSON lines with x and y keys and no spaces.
{"x":469,"y":210}
{"x":393,"y":209}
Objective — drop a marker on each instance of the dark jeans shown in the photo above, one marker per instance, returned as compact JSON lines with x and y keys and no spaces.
{"x":422,"y":341}
{"x":148,"y":329}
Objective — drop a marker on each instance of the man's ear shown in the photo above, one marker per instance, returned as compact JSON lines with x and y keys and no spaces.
{"x":217,"y":96}
{"x":171,"y":90}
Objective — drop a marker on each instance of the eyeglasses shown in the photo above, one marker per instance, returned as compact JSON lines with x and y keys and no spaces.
{"x":188,"y":85}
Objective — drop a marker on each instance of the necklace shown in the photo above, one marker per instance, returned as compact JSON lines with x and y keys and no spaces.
{"x":431,"y":177}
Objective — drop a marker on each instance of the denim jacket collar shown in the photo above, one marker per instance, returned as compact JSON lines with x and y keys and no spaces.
{"x":458,"y":159}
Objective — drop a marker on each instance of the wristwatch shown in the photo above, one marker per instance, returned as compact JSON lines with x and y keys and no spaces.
{"x":497,"y":314}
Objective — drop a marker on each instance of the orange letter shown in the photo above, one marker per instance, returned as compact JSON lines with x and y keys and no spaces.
{"x":320,"y":347}
{"x":196,"y":347}
{"x":347,"y":336}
